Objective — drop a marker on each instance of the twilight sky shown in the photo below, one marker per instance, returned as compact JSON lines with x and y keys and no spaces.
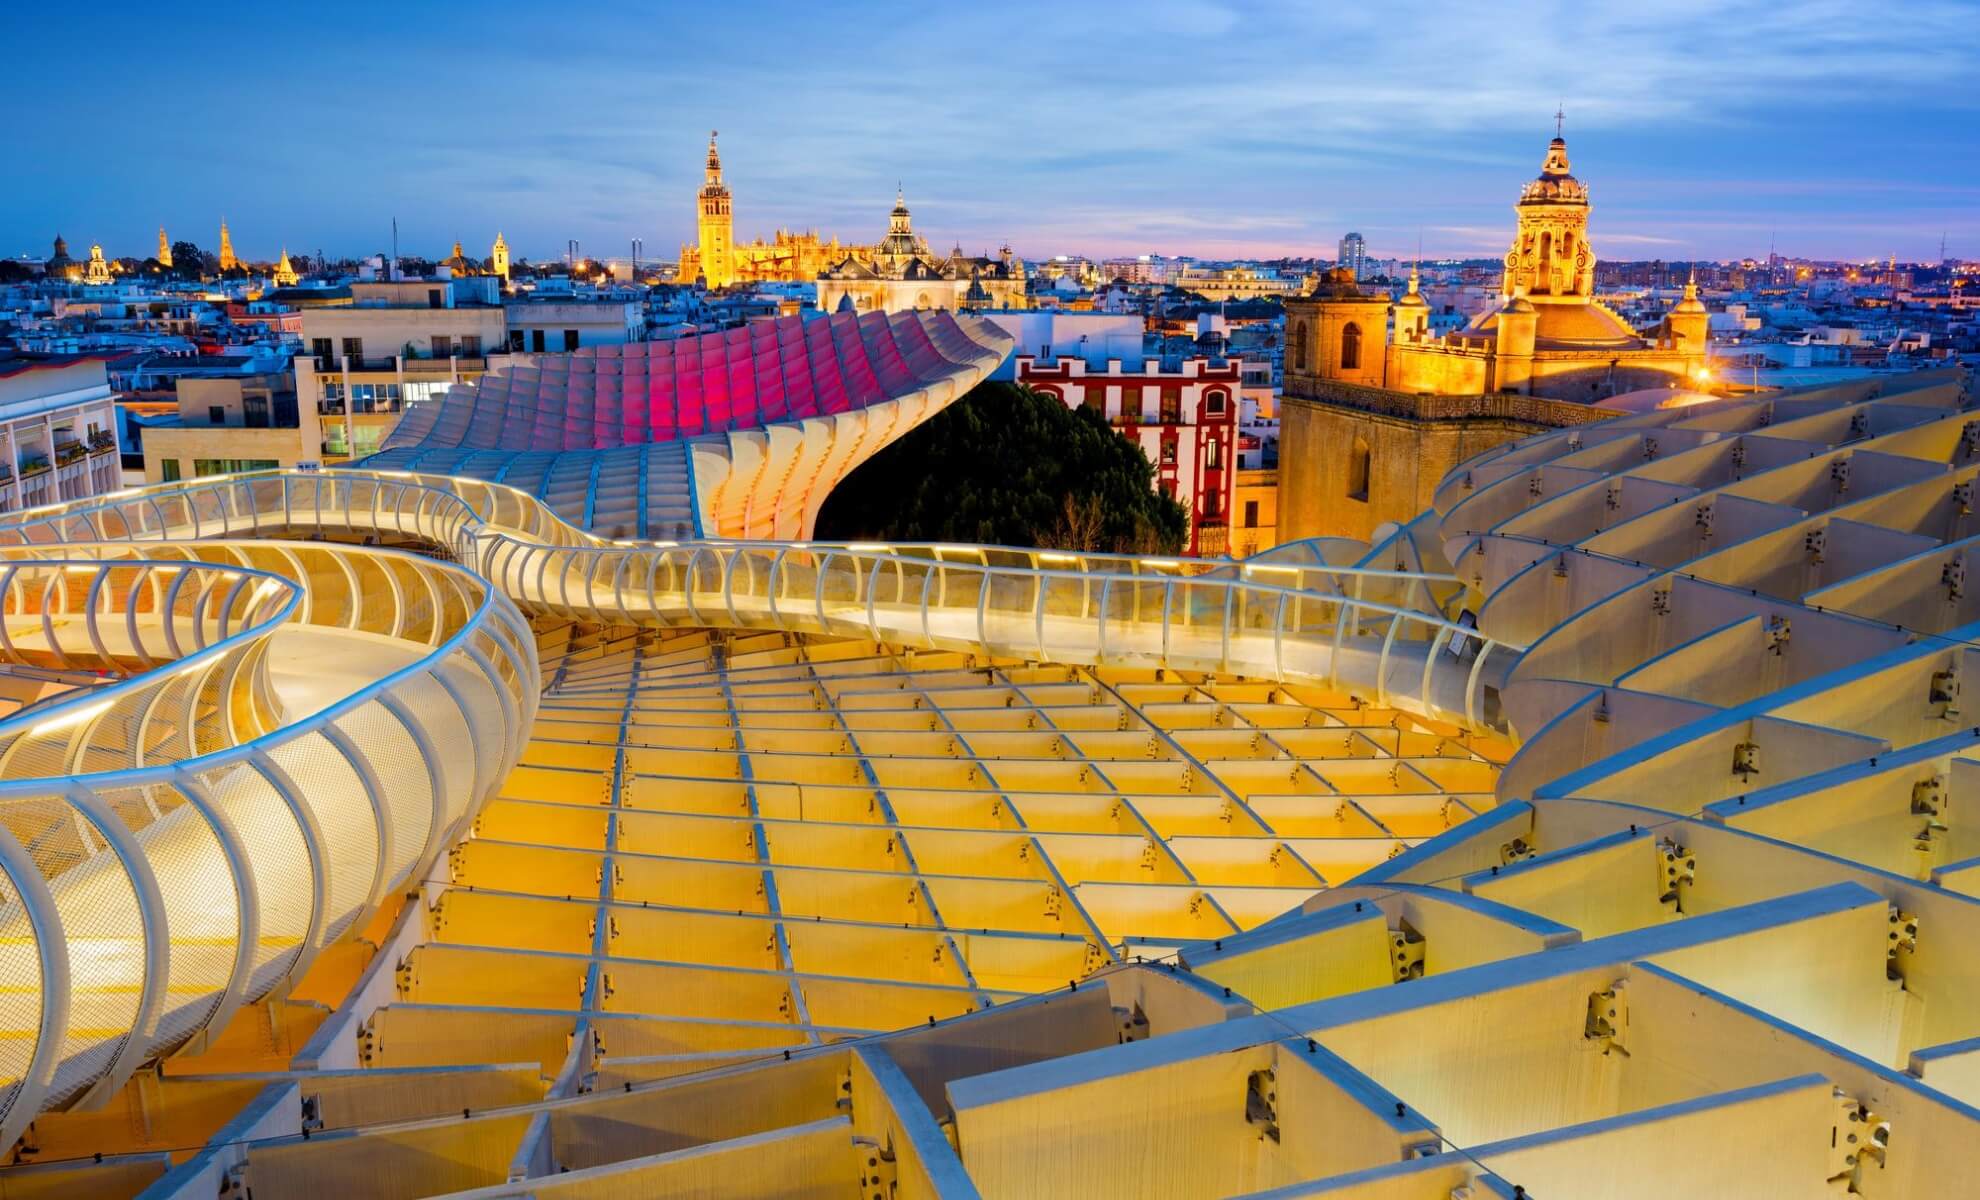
{"x":1844,"y":129}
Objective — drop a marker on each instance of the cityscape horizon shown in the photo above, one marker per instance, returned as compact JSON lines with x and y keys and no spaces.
{"x":1227,"y":599}
{"x":1713,"y":145}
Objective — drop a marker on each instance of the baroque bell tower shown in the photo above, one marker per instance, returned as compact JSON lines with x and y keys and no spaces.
{"x":1550,"y":259}
{"x":716,"y":224}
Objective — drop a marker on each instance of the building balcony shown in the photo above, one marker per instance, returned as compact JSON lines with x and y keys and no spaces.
{"x":443,"y":365}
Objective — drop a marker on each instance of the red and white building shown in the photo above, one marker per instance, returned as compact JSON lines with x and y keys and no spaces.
{"x":1184,"y":419}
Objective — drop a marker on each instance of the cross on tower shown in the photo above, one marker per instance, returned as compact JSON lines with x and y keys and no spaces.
{"x":1559,"y":116}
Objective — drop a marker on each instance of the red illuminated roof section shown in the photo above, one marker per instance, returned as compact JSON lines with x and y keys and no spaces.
{"x":641,"y":404}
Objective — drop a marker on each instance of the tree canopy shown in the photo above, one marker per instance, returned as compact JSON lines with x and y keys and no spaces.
{"x":1008,"y":466}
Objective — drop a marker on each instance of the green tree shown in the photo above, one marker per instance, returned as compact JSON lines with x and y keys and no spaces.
{"x":190,"y":262}
{"x":1008,"y":466}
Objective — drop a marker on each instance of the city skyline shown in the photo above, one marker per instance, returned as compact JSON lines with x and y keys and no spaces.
{"x":1187,"y":128}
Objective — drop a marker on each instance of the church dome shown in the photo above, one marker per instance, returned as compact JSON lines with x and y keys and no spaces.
{"x":1690,"y":303}
{"x":1339,"y":284}
{"x":1555,"y":184}
{"x":1412,"y":298}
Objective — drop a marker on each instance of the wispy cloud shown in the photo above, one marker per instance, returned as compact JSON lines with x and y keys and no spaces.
{"x":1171,"y":125}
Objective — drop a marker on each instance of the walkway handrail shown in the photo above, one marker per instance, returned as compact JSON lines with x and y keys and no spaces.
{"x":171,"y":878}
{"x":314,"y":819}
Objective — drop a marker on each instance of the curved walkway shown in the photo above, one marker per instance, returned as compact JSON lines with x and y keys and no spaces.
{"x":186,"y":840}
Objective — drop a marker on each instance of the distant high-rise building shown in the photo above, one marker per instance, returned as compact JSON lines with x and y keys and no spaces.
{"x":498,"y":257}
{"x":227,"y":260}
{"x":1354,"y":254}
{"x":164,"y":249}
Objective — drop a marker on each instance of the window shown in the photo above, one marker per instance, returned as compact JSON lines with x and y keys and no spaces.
{"x":1168,"y":454}
{"x":1251,"y":514}
{"x":470,"y":345}
{"x":168,"y":471}
{"x":1357,"y":473}
{"x":354,"y":349}
{"x":536,"y":339}
{"x":1351,"y":347}
{"x":227,"y":466}
{"x":1213,"y":404}
{"x":1213,"y":454}
{"x":433,"y":297}
{"x":1299,"y":345}
{"x":1171,"y":405}
{"x":1212,"y":506}
{"x":516,"y":339}
{"x":320,"y":347}
{"x":443,"y":345}
{"x":216,"y":414}
{"x":570,"y":339}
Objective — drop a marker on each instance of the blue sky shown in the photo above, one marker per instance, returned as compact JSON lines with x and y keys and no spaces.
{"x":1841,"y":128}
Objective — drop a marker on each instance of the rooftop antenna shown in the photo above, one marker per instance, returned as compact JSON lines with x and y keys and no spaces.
{"x":392,"y":272}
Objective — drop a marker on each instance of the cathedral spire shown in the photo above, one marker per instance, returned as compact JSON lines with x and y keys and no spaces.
{"x":714,"y":172}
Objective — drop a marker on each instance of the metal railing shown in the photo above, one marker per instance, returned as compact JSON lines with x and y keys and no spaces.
{"x":181,"y":842}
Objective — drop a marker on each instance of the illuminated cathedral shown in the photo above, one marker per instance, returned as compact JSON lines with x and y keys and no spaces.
{"x":1377,"y":408}
{"x":1548,"y":336}
{"x":899,"y":273}
{"x":719,"y":261}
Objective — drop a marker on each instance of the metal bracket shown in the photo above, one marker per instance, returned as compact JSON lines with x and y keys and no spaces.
{"x":880,"y":1173}
{"x":1133,"y":1022}
{"x":1678,"y":868}
{"x":1952,"y":577}
{"x":1406,"y":948}
{"x":1608,"y":1017}
{"x":1859,"y":1136}
{"x":1903,"y":941}
{"x":1746,"y":759}
{"x":1944,"y":695}
{"x":1778,"y":632}
{"x":1261,"y":1102}
{"x":1515,"y":851}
